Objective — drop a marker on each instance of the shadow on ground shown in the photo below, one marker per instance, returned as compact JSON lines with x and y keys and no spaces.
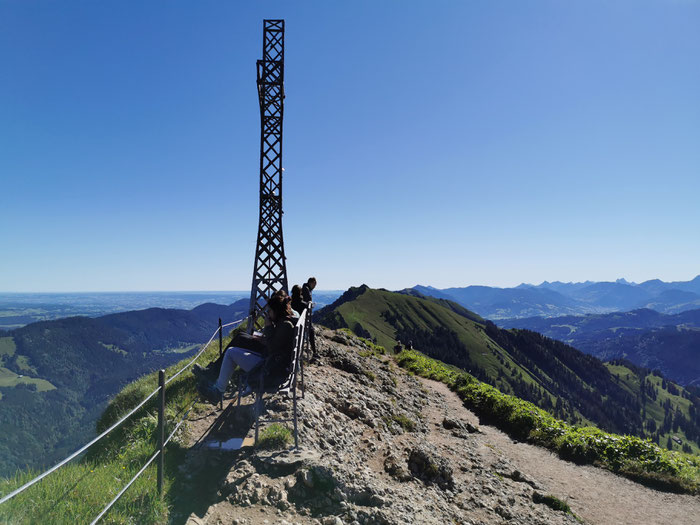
{"x":208,"y":462}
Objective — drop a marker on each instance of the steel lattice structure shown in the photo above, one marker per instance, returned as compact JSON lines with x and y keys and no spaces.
{"x":270,"y":269}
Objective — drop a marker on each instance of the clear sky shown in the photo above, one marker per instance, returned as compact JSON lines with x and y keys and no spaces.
{"x":443,"y":143}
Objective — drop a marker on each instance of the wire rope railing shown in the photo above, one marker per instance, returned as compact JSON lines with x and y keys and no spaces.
{"x":77,"y":452}
{"x":160,"y":432}
{"x":126,"y":487}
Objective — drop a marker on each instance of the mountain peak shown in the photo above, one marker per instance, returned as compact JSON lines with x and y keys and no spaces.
{"x":381,"y":445}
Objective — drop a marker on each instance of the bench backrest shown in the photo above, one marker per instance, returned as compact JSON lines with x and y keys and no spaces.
{"x":299,"y":334}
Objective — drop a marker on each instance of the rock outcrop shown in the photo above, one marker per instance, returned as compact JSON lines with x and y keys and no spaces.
{"x":377,"y":447}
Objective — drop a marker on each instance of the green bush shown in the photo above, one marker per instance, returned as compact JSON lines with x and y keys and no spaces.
{"x":631,"y":456}
{"x":404,"y":422}
{"x":274,"y":436}
{"x":552,"y":502}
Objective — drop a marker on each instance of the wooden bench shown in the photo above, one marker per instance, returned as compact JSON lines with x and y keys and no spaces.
{"x":288,"y":386}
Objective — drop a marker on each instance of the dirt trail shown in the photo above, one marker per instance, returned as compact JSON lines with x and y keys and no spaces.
{"x":595,"y":495}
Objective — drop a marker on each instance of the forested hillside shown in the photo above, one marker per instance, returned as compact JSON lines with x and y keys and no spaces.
{"x":568,"y":383}
{"x":56,"y":376}
{"x":669,"y":343}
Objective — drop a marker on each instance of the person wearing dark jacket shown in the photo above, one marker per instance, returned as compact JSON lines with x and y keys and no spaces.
{"x":298,"y":304}
{"x":306,"y":296}
{"x":276,"y":354}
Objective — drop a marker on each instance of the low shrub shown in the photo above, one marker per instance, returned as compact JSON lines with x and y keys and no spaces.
{"x":636,"y":458}
{"x":551,"y":501}
{"x":404,"y":422}
{"x":274,"y":436}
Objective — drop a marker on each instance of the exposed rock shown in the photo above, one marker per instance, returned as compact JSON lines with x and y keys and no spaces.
{"x":396,"y":468}
{"x":361,"y":464}
{"x":454,"y":424}
{"x":426,"y":465}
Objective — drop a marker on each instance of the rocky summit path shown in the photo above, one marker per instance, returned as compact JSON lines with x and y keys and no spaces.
{"x":594,"y":495}
{"x":380,"y":446}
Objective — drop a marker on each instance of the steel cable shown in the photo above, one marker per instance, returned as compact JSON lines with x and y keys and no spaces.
{"x":77,"y":452}
{"x":122,"y":491}
{"x":115,"y":425}
{"x":200,"y":352}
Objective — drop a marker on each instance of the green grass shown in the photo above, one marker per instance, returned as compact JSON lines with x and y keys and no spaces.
{"x":9,"y":379}
{"x":274,"y":436}
{"x":552,"y":502}
{"x":654,"y":408}
{"x":368,"y":310}
{"x":113,"y":348}
{"x":77,"y":492}
{"x":182,"y":349}
{"x":404,"y":422}
{"x":630,"y":456}
{"x":22,"y":362}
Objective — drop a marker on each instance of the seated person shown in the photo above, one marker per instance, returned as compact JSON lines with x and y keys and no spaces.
{"x":276,"y":353}
{"x":298,"y":304}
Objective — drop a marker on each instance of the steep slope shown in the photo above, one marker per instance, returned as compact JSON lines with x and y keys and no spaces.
{"x":56,"y":376}
{"x":568,"y":383}
{"x":380,"y":446}
{"x":671,"y":414}
{"x":669,"y":343}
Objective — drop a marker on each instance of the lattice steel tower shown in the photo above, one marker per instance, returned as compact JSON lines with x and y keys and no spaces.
{"x":270,"y":269}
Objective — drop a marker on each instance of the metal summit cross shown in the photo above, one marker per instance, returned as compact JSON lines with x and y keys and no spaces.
{"x":270,"y":269}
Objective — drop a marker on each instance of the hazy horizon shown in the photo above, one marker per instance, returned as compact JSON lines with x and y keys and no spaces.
{"x":330,"y":290}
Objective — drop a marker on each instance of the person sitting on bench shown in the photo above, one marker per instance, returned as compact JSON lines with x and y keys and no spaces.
{"x":298,"y":304}
{"x":274,"y":349}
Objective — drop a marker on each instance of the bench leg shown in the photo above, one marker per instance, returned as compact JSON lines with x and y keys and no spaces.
{"x":256,"y":413}
{"x":294,"y":415}
{"x":301,"y":369}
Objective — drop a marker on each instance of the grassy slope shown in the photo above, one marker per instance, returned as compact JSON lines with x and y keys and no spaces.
{"x":428,"y":313}
{"x":8,"y":378}
{"x":654,"y":407}
{"x":78,"y":491}
{"x":367,"y":309}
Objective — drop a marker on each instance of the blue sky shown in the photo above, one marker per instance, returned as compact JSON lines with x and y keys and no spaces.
{"x":442,"y":143}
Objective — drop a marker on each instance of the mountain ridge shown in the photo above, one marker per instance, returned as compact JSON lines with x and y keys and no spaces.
{"x":563,"y":380}
{"x":670,"y":343}
{"x":86,"y":361}
{"x":554,"y":299}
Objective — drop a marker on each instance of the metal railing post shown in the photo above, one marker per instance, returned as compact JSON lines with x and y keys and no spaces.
{"x":221,"y":339}
{"x":221,"y":352}
{"x":161,"y":429}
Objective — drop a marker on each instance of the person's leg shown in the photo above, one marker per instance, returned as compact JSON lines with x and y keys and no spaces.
{"x":312,"y":340}
{"x":246,"y":359}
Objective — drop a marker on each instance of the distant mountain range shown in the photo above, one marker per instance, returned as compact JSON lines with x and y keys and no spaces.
{"x":552,"y":299}
{"x":57,"y":376}
{"x":20,"y":309}
{"x":669,"y":343}
{"x":618,"y":397}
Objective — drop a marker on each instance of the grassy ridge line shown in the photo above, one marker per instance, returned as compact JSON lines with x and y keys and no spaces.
{"x":630,"y":456}
{"x":77,"y":492}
